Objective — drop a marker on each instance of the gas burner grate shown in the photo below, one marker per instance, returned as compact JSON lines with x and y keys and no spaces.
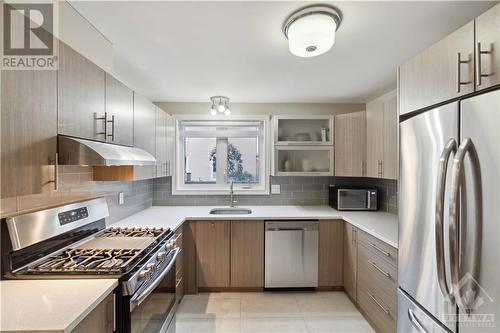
{"x":88,"y":261}
{"x":132,"y":232}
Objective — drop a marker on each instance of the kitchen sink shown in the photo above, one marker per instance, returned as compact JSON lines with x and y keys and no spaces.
{"x":230,"y":211}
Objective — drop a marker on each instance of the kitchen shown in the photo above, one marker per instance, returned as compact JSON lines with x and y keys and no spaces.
{"x":250,"y":166}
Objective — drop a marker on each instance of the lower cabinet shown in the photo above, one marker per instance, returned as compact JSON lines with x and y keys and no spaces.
{"x":247,"y":254}
{"x":350,"y":260}
{"x":100,"y":320}
{"x":331,"y":247}
{"x":179,"y":266}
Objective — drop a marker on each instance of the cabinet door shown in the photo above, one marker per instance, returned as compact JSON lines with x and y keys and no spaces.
{"x":80,"y":96}
{"x":390,"y":163}
{"x":28,"y":132}
{"x":144,"y":133}
{"x":170,"y":144}
{"x":213,"y":253}
{"x":350,"y":260}
{"x":99,"y":320}
{"x":120,"y":112}
{"x":161,"y":143}
{"x":247,"y":254}
{"x":433,"y":76}
{"x":374,"y":138}
{"x":488,"y":43}
{"x":350,"y":144}
{"x":330,"y":257}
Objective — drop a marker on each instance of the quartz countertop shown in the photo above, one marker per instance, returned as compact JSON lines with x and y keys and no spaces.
{"x":49,"y":305}
{"x":381,"y":225}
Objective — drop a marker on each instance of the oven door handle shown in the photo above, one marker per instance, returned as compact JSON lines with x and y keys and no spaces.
{"x":137,"y":300}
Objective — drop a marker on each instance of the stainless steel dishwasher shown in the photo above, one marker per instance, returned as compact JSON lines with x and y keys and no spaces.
{"x":291,"y":254}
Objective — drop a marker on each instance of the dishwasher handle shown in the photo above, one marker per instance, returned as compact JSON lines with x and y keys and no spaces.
{"x":292,"y":225}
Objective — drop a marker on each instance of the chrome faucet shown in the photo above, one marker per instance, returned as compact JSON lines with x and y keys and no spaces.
{"x":232,"y":201}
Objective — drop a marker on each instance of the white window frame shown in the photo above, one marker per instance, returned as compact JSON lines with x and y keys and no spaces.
{"x":180,"y":188}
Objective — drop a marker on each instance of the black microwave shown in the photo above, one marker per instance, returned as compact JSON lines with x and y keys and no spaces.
{"x":342,"y":198}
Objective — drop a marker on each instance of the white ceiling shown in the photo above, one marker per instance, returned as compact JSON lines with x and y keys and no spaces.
{"x":189,"y":51}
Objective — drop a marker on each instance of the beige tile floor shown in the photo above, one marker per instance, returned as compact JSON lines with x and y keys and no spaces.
{"x":305,"y":312}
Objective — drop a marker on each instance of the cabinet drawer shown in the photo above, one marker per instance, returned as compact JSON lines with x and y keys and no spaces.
{"x":379,"y":248}
{"x":378,"y":312}
{"x":371,"y":265}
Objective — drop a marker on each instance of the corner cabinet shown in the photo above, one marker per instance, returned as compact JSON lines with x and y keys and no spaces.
{"x":303,"y":146}
{"x":350,"y":144}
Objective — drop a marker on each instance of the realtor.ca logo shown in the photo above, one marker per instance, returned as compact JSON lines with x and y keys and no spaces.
{"x":28,"y":36}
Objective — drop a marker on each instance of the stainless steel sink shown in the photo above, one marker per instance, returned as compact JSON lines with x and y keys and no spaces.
{"x":230,"y":211}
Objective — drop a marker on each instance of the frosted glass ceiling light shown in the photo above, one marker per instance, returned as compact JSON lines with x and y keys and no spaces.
{"x":220,"y":104}
{"x":311,"y":30}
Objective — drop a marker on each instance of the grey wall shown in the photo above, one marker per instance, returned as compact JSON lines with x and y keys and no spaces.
{"x":294,"y":191}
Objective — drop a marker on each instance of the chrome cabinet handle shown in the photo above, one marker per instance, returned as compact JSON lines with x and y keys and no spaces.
{"x":415,"y":322}
{"x":480,"y":75}
{"x":460,"y":62}
{"x":112,"y":121}
{"x":55,"y":162}
{"x":387,"y":312}
{"x":448,"y":149}
{"x":455,"y":231}
{"x":387,"y":254}
{"x":353,"y":236}
{"x":105,"y":120}
{"x":380,"y":269}
{"x":380,"y":172}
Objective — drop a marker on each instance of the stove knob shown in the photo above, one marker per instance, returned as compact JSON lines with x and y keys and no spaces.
{"x":169,"y":246}
{"x":161,"y":256}
{"x":151,"y":267}
{"x":144,"y":274}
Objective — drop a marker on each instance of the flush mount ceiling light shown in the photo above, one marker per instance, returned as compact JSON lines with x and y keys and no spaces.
{"x":220,"y":104}
{"x":311,"y":30}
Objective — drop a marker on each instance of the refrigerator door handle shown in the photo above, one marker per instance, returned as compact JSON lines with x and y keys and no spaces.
{"x":449,"y":148}
{"x":415,"y":323}
{"x":454,"y":229}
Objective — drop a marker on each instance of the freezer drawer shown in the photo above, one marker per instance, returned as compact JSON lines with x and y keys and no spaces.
{"x":291,"y":259}
{"x":412,"y":319}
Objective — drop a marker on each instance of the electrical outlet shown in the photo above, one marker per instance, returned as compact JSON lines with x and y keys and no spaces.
{"x":121,"y":198}
{"x":275,"y":189}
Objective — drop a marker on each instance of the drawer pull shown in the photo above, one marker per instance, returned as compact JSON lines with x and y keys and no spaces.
{"x":380,"y":269}
{"x":378,"y":303}
{"x":387,"y":254}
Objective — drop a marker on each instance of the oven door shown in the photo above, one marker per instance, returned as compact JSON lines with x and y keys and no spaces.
{"x":152,"y":307}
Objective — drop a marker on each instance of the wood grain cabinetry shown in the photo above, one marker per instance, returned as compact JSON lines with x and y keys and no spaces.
{"x":350,"y":144}
{"x":179,"y":265}
{"x":81,"y":99}
{"x":189,"y":257}
{"x":213,"y":246}
{"x":442,"y":72}
{"x":100,"y":320}
{"x":330,"y":256}
{"x":119,"y":112}
{"x":350,"y":260}
{"x":381,"y":137}
{"x":247,"y":254}
{"x":28,"y":133}
{"x":488,"y":48}
{"x":377,"y":282}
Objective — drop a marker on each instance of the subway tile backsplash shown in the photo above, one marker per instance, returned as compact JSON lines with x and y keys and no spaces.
{"x":294,"y":191}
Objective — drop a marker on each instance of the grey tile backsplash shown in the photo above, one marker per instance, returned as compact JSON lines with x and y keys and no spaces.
{"x":294,"y":191}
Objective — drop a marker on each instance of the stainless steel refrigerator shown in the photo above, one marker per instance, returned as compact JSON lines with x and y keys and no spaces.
{"x":449,"y":218}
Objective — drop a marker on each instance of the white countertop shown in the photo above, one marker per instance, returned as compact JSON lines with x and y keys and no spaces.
{"x":49,"y":305}
{"x":382,"y":225}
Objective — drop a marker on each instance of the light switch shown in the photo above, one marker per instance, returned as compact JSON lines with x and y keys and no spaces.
{"x":121,"y":198}
{"x":275,"y":189}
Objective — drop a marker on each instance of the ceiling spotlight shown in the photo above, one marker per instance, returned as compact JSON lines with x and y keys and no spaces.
{"x":220,"y":104}
{"x":311,"y":30}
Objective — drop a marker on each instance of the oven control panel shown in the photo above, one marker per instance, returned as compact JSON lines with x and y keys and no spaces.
{"x":72,"y":215}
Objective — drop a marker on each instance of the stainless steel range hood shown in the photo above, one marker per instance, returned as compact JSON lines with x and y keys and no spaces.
{"x":75,"y":151}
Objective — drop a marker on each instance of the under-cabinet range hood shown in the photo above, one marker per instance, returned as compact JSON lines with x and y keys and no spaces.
{"x":75,"y":151}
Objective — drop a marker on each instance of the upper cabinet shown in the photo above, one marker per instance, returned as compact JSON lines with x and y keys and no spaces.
{"x":382,"y":137}
{"x":81,"y":96}
{"x":442,"y":72}
{"x":350,"y":144}
{"x":144,"y":133}
{"x":161,"y":143}
{"x":467,"y":60}
{"x":170,"y":144}
{"x":488,"y":48}
{"x":301,"y":130}
{"x":119,"y":112}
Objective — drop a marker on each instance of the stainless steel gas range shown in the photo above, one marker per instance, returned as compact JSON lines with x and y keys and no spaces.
{"x":71,"y":241}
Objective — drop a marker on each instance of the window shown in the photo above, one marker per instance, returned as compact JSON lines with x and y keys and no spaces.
{"x":214,"y":153}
